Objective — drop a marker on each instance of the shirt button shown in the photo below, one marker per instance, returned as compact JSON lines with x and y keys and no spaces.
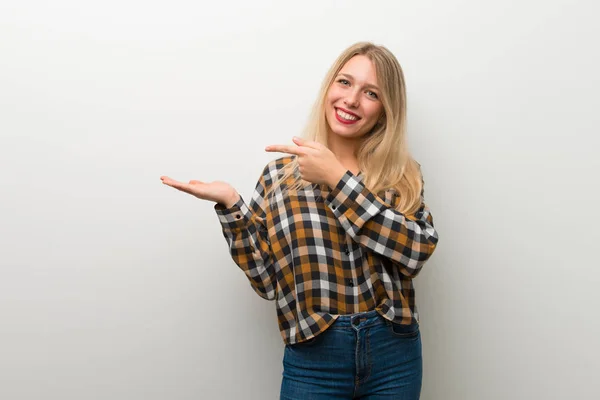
{"x":350,"y":282}
{"x":346,"y":251}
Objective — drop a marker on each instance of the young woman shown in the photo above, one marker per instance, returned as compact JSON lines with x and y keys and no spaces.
{"x":335,"y":232}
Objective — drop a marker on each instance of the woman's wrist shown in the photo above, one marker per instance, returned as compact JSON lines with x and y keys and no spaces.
{"x":231,"y":200}
{"x":336,"y":176}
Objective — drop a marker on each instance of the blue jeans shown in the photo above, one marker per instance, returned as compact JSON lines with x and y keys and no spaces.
{"x":360,"y":356}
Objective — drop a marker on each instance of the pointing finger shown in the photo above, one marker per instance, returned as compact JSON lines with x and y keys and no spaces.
{"x":306,"y":142}
{"x":281,"y":148}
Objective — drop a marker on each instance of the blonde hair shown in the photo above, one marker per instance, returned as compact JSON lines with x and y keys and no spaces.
{"x":383,"y":156}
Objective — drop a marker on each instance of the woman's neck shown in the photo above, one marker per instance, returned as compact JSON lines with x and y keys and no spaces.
{"x":345,"y":151}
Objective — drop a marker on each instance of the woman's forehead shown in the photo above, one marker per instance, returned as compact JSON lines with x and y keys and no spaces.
{"x":360,"y":68}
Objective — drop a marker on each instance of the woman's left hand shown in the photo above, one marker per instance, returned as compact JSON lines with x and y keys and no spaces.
{"x":317,"y":163}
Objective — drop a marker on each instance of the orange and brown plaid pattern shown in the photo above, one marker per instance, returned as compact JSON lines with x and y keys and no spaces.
{"x":320,"y":253}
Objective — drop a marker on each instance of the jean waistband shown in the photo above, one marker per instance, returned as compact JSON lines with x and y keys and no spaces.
{"x":359,"y":320}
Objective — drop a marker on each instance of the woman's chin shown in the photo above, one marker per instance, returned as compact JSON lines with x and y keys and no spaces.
{"x":345,"y":133}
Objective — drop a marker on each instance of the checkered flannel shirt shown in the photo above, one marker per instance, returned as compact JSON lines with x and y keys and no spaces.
{"x":320,"y":253}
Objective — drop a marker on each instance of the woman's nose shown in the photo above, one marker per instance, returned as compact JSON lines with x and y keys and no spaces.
{"x":351,"y":100}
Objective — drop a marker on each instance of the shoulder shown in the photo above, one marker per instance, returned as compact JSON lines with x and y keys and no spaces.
{"x":275,"y":168}
{"x":280,"y":163}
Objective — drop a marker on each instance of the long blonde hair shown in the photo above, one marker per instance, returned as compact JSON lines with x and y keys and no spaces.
{"x":383,"y":156}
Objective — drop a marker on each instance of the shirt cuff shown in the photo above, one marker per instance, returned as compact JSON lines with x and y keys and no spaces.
{"x":235,"y":217}
{"x":352,"y":203}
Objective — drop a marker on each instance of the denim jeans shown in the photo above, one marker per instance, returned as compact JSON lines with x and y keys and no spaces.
{"x":360,"y":356}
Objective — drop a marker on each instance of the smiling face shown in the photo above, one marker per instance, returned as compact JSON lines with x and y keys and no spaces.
{"x":352,"y":104}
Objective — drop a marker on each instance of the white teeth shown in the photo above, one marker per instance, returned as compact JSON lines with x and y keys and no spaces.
{"x":346,"y":115}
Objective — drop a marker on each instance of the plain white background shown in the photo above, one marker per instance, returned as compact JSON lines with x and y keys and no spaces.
{"x":114,"y":286}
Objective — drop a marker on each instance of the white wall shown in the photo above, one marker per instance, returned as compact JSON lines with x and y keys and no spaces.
{"x":113,"y":286}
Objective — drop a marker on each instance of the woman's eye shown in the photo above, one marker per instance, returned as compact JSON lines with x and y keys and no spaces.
{"x":344,"y":82}
{"x":372,"y":94}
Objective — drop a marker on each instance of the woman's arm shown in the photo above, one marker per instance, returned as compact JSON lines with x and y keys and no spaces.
{"x":245,"y":231}
{"x":408,"y":241}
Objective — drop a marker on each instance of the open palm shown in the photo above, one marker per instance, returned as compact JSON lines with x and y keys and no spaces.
{"x":218,"y":191}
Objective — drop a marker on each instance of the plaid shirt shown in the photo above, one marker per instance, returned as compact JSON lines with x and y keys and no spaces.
{"x":320,"y":253}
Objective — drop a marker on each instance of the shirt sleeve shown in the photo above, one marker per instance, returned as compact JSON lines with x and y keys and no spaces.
{"x":407,"y":241}
{"x":245,"y":231}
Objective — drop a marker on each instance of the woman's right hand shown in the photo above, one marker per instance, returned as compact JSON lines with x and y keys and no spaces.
{"x":220,"y":192}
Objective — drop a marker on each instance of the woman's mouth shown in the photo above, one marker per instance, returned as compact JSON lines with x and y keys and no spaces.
{"x":346,"y":117}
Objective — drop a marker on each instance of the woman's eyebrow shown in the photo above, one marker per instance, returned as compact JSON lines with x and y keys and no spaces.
{"x":352,"y":78}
